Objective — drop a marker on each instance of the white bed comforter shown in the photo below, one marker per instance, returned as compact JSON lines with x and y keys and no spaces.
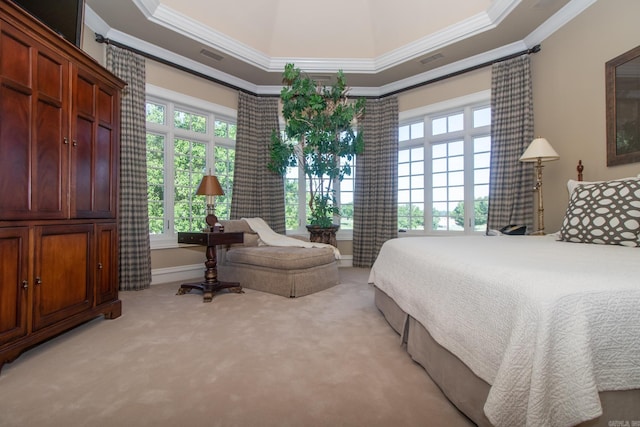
{"x":547,"y":324}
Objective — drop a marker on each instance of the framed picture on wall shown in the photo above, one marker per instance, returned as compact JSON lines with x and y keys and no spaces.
{"x":623,"y":108}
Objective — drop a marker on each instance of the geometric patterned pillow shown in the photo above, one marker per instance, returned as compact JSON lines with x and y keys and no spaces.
{"x":606,"y":213}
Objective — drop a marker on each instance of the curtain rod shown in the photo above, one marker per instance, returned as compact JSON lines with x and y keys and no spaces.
{"x":101,"y":39}
{"x":534,"y":49}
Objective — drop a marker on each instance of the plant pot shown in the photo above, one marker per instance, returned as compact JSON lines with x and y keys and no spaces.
{"x":327,"y":235}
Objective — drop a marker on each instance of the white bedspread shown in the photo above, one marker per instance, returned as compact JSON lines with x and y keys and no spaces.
{"x":547,"y":324}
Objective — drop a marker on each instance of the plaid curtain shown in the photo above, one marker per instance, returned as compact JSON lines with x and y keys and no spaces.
{"x":375,"y":210}
{"x":135,"y":252}
{"x":511,"y":181}
{"x":257,"y":192}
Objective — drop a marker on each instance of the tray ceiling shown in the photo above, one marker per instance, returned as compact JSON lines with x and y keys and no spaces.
{"x":381,"y":45}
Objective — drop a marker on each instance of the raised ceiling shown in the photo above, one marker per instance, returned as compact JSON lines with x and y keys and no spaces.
{"x":381,"y":45}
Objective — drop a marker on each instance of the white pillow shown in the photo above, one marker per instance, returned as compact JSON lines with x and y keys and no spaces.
{"x":572,"y":183}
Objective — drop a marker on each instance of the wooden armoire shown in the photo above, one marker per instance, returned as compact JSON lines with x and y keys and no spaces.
{"x":59,"y":159}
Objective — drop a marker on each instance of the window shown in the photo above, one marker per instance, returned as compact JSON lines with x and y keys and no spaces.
{"x":186,"y":138}
{"x":443,"y":170}
{"x":297,"y":201}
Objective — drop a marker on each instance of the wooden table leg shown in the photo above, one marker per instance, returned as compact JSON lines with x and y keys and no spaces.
{"x":211,"y":283}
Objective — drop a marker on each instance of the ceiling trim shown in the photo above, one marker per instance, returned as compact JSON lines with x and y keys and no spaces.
{"x":175,"y":21}
{"x":568,"y":12}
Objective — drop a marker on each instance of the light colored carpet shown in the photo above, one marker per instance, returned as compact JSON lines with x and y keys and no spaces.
{"x":252,"y":359}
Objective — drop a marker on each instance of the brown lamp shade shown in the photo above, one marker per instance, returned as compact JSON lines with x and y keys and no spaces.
{"x":210,"y":186}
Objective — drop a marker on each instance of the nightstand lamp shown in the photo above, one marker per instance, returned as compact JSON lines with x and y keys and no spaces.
{"x":539,"y":151}
{"x":210,"y":187}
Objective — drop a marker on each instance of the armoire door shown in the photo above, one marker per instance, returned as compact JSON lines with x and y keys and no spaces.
{"x":34,"y":106}
{"x":63,"y":272}
{"x":95,"y":145}
{"x":14,"y":271}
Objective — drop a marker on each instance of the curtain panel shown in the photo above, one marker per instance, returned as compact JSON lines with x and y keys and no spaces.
{"x":257,"y":191}
{"x":134,"y":247}
{"x":375,"y":211}
{"x":511,"y":181}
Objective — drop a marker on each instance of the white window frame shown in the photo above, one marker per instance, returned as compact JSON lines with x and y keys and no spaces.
{"x":467,"y":104}
{"x":213,"y":112}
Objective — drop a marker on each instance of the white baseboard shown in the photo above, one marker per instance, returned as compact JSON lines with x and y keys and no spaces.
{"x":176,"y":274}
{"x":345,"y":261}
{"x":196,"y":271}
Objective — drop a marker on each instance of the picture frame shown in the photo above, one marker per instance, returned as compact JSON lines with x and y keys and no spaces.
{"x":622,"y":85}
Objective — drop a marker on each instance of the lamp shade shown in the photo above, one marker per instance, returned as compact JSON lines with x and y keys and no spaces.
{"x":210,"y":186}
{"x":539,"y":149}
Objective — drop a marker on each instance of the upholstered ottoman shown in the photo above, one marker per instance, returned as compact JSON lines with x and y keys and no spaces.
{"x":281,"y":270}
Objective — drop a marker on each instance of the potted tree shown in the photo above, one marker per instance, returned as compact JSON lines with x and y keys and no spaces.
{"x":319,"y":136}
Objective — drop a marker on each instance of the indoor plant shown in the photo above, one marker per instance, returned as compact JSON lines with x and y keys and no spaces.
{"x":319,"y":136}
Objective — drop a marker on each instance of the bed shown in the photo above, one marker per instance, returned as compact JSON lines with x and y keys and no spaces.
{"x":527,"y":330}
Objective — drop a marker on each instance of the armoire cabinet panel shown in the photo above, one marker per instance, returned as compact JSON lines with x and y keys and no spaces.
{"x":14,"y":273}
{"x":35,"y":122}
{"x":97,"y":123}
{"x":106,"y":262}
{"x":59,"y":160}
{"x":63,"y":272}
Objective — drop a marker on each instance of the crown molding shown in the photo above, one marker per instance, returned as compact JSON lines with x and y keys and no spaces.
{"x":175,"y":21}
{"x":499,"y":10}
{"x":557,"y":21}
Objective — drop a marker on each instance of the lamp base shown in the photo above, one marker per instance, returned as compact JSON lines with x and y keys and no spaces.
{"x":212,"y":220}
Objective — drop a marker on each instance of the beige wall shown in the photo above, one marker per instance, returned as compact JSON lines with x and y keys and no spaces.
{"x":569,"y":96}
{"x":569,"y":102}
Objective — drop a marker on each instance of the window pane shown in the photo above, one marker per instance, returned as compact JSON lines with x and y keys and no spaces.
{"x":456,"y":148}
{"x":190,"y":121}
{"x":221,"y":129}
{"x":439,"y":165}
{"x":482,"y":117}
{"x":439,"y":179}
{"x":438,"y":151}
{"x":417,"y":130}
{"x":456,"y":178}
{"x":417,"y":154}
{"x":403,"y":133}
{"x":417,"y":181}
{"x":481,"y":144}
{"x":404,"y":183}
{"x":417,"y":168}
{"x":456,"y":163}
{"x":404,"y":169}
{"x":403,"y":156}
{"x":439,"y":126}
{"x":482,"y":160}
{"x":481,"y":176}
{"x":155,"y":113}
{"x":456,"y":122}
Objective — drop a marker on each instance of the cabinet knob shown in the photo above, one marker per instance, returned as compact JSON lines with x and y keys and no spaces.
{"x":25,"y":284}
{"x":38,"y":281}
{"x":75,"y":143}
{"x":99,"y":266}
{"x":65,"y":140}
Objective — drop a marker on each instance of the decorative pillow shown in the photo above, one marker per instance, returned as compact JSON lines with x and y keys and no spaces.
{"x":605,"y":213}
{"x":572,"y":183}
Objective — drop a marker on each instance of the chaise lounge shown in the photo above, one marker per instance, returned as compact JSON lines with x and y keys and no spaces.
{"x":288,"y":271}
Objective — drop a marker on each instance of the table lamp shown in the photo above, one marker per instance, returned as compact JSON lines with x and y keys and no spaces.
{"x":210,"y":187}
{"x":539,"y":151}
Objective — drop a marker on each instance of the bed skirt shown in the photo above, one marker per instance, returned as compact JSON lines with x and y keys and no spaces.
{"x":467,"y":391}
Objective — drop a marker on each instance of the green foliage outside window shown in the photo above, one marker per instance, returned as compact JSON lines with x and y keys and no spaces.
{"x":155,"y":182}
{"x":481,"y":207}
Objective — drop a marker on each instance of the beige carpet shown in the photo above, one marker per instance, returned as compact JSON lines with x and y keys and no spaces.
{"x":252,"y":359}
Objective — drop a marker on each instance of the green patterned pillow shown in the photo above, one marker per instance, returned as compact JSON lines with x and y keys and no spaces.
{"x":605,"y":213}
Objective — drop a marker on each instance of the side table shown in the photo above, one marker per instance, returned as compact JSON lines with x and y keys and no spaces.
{"x":211,"y":283}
